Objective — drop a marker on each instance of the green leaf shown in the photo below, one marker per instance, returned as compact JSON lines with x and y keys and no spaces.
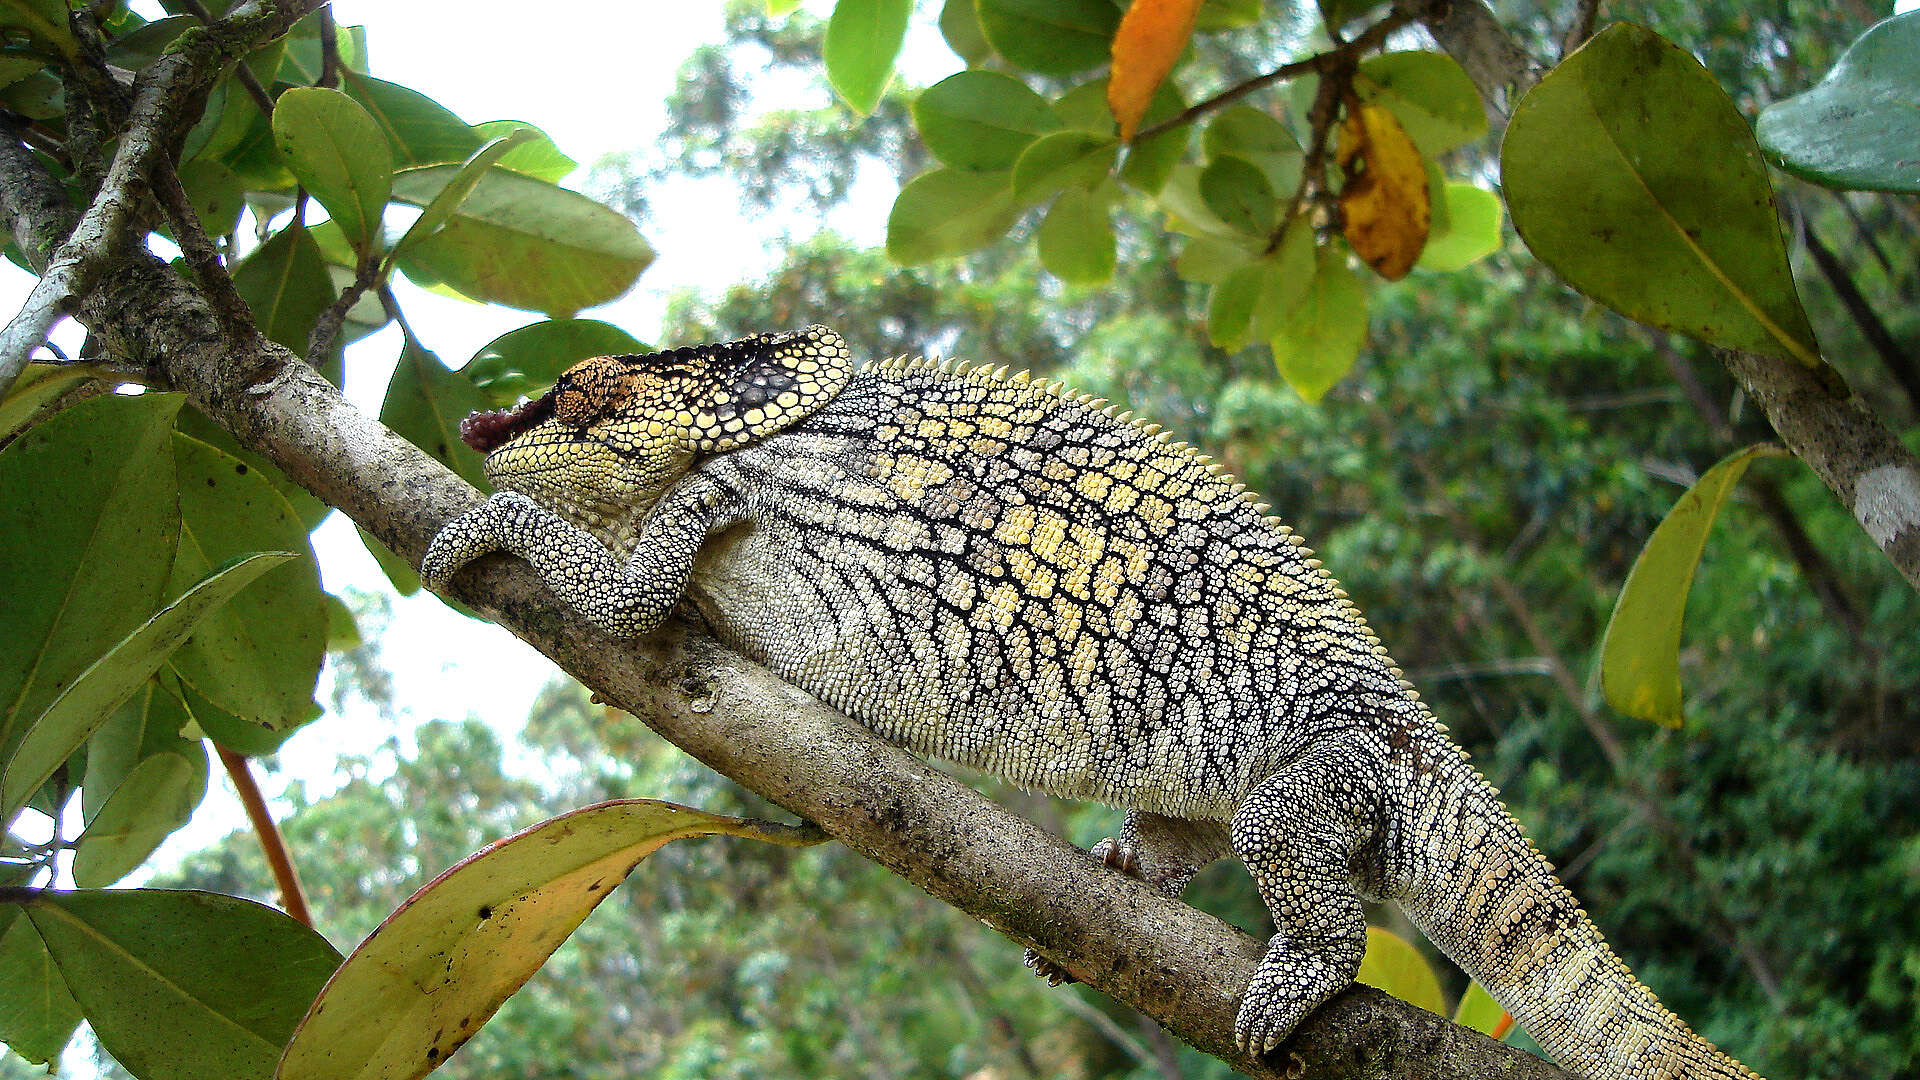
{"x":309,"y":509}
{"x":400,"y":572}
{"x":1640,"y":651}
{"x":1316,"y":342}
{"x":1217,"y":15}
{"x":1151,"y":161}
{"x":1053,"y":37}
{"x":1429,"y":93}
{"x":1084,"y":108}
{"x":424,"y":405}
{"x":1239,"y":194}
{"x":418,"y":129}
{"x":143,"y":44}
{"x":1290,"y":273}
{"x":35,"y":390}
{"x":538,"y":157}
{"x":155,"y":799}
{"x":1187,"y":211}
{"x":1076,"y":238}
{"x":45,"y":21}
{"x":85,"y":705}
{"x":981,"y":120}
{"x":1629,"y":171}
{"x":1230,"y":306}
{"x":1467,"y":229}
{"x":960,"y":26}
{"x":1392,"y":964}
{"x":520,"y":362}
{"x":1858,"y":127}
{"x":523,"y":243}
{"x":259,"y":656}
{"x":863,"y":38}
{"x":37,"y":1015}
{"x":1251,"y":301}
{"x":285,"y":282}
{"x":337,"y":151}
{"x":183,"y":985}
{"x":1244,"y":131}
{"x":1064,"y":159}
{"x":97,"y":482}
{"x":1207,"y":260}
{"x":242,"y":735}
{"x":947,"y":212}
{"x":216,"y":194}
{"x":343,"y":630}
{"x":468,"y":177}
{"x":422,"y":984}
{"x":255,"y":157}
{"x":148,"y":723}
{"x":1478,"y":1010}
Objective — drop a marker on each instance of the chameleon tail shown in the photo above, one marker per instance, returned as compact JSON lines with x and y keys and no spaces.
{"x":1488,"y":899}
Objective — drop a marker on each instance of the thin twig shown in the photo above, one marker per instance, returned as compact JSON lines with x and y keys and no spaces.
{"x":272,"y":844}
{"x":326,"y":329}
{"x":1339,"y":56}
{"x":161,"y":93}
{"x":198,"y":249}
{"x":329,"y":50}
{"x":241,"y":71}
{"x":1585,"y":13}
{"x":1313,"y":170}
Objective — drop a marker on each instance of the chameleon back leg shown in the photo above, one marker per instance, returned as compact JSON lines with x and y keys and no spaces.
{"x":1299,"y":834}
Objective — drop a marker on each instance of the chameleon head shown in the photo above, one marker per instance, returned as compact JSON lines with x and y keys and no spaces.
{"x":615,"y":432}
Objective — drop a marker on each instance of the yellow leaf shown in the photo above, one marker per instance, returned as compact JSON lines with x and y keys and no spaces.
{"x":1393,"y":964}
{"x":1385,"y":204}
{"x":1152,"y":35}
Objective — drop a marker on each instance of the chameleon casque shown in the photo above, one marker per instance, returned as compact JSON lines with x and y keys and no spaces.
{"x":1006,"y":574}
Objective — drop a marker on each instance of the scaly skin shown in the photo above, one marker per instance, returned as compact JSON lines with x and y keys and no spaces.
{"x":1005,"y":574}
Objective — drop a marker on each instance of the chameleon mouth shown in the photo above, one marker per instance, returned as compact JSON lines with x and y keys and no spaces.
{"x":485,"y":431}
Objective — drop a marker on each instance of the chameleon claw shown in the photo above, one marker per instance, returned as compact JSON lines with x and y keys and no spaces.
{"x":1048,"y":970}
{"x":1118,"y":856}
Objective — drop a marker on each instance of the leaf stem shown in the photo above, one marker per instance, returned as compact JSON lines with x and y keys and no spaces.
{"x":272,"y":844}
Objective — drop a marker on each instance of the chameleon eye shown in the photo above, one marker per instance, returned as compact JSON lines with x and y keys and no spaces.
{"x":589,"y":390}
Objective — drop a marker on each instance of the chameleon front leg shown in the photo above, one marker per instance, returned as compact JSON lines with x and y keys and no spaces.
{"x":624,"y":600}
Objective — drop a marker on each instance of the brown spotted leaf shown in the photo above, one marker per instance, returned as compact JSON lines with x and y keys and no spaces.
{"x":1384,"y":204}
{"x":1152,"y":35}
{"x":422,"y":984}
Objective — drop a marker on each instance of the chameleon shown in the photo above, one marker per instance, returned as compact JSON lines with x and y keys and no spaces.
{"x":998,"y":571}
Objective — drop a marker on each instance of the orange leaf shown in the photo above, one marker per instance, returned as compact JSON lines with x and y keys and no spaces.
{"x":1152,"y":35}
{"x":1384,"y":203}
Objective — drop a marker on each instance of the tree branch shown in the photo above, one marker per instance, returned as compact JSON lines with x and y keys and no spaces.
{"x":1827,"y":426}
{"x":1182,"y":967}
{"x":1502,"y":70}
{"x":160,"y":95}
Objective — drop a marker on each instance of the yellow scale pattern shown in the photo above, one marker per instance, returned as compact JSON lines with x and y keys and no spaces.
{"x":1004,"y":573}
